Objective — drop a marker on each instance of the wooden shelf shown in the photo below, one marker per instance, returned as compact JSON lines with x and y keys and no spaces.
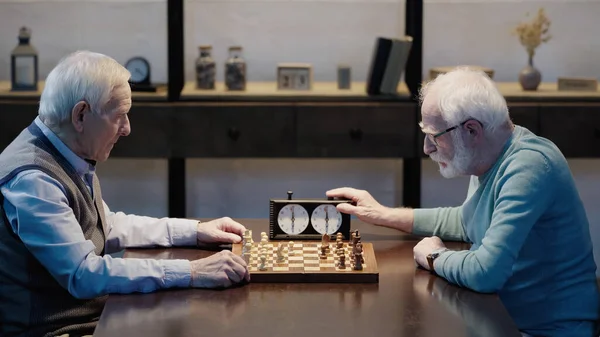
{"x":6,"y":93}
{"x":267,"y":91}
{"x":546,"y":92}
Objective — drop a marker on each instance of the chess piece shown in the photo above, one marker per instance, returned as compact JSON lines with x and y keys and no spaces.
{"x":352,"y":239}
{"x":358,"y":261}
{"x":324,"y":249}
{"x":247,"y":248}
{"x":263,"y":260}
{"x":291,"y":248}
{"x":339,"y":245}
{"x":339,"y":237}
{"x":280,"y":256}
{"x":358,"y":253}
{"x":356,"y":237}
{"x":325,"y":239}
{"x":341,"y":259}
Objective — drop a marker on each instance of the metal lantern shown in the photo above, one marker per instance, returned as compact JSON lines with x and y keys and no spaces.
{"x":24,"y":64}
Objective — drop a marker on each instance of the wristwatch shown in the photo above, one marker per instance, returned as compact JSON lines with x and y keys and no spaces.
{"x":434,"y":255}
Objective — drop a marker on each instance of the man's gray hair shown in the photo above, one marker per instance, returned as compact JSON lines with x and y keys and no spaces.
{"x":464,"y":94}
{"x":80,"y":76}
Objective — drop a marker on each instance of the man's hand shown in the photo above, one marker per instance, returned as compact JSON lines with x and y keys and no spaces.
{"x":223,"y":230}
{"x":426,"y":247}
{"x":370,"y":211}
{"x":220,"y":270}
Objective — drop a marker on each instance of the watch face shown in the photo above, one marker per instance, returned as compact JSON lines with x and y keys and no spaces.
{"x":139,"y":69}
{"x":326,"y":219}
{"x":293,"y":219}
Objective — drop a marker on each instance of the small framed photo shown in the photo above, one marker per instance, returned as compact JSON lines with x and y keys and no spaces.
{"x":294,"y":76}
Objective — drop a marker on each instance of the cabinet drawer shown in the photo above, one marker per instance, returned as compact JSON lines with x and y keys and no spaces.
{"x":526,"y":115}
{"x":150,"y":133}
{"x":190,"y":135}
{"x":253,"y":131}
{"x":574,"y":128}
{"x":13,"y":119}
{"x":357,"y":131}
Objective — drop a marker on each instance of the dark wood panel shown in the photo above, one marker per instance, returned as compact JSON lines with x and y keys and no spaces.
{"x":253,"y":131}
{"x":526,"y":115}
{"x":150,"y":133}
{"x":14,"y":117}
{"x":574,"y":128}
{"x":191,"y":135}
{"x":356,"y":130}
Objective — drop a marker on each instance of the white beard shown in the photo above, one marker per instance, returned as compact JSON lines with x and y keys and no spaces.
{"x":460,"y":163}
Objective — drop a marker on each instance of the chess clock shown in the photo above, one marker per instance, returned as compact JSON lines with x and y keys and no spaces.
{"x":139,"y":68}
{"x":306,"y":219}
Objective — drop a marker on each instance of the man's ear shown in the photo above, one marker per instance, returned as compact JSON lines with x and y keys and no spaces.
{"x":475,"y":130}
{"x":78,"y":114}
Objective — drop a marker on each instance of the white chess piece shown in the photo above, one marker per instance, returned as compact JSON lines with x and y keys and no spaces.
{"x":280,"y":256}
{"x":263,"y":260}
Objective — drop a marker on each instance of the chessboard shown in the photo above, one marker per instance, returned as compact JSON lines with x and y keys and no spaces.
{"x":307,"y":264}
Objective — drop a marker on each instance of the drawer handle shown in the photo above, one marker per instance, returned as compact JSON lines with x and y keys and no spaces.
{"x":596,"y":133}
{"x":233,"y":133}
{"x":356,"y":134}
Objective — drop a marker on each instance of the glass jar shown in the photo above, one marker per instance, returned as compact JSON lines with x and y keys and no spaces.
{"x":205,"y":69}
{"x":235,"y":70}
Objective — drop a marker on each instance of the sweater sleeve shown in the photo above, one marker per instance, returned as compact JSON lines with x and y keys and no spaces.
{"x":521,"y":194}
{"x":445,"y":222}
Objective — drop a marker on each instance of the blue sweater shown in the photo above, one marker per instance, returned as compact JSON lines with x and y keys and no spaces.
{"x":530,"y":239}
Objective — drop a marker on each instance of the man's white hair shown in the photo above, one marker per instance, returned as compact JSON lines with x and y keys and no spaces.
{"x":80,"y":76}
{"x":464,"y":94}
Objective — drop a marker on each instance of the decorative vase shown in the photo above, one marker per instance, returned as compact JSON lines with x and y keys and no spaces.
{"x":530,"y":77}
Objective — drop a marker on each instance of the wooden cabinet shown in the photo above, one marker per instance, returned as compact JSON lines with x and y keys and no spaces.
{"x":526,"y":115}
{"x":358,"y":131}
{"x":190,"y":131}
{"x":14,"y":117}
{"x":253,"y":131}
{"x":574,"y":128}
{"x":150,"y":133}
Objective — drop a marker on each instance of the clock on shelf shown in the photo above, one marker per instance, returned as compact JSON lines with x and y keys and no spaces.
{"x":307,"y":219}
{"x":139,"y":68}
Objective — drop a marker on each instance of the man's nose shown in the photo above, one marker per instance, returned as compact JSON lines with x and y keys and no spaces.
{"x":428,"y":146}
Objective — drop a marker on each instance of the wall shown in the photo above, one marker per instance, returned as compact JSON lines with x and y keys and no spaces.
{"x":322,"y":32}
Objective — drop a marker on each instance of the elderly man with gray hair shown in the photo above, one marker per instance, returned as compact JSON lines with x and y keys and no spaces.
{"x":523,"y":215}
{"x":56,"y":231}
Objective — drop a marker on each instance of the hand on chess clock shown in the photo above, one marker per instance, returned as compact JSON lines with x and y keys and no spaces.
{"x":220,"y":270}
{"x":367,"y":209}
{"x":223,"y":230}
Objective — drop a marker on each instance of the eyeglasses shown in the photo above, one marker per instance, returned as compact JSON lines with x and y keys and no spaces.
{"x":433,"y":137}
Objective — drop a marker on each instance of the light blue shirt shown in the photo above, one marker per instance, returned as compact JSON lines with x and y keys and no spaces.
{"x":37,"y":209}
{"x":530,"y":236}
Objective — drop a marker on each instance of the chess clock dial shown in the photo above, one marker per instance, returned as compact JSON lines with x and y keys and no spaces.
{"x":293,"y":219}
{"x":326,"y":219}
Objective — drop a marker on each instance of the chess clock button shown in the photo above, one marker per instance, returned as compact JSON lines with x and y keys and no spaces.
{"x":293,"y":219}
{"x":326,"y":219}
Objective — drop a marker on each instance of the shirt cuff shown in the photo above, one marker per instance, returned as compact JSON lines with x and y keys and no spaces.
{"x":177,"y":273}
{"x":184,"y":232}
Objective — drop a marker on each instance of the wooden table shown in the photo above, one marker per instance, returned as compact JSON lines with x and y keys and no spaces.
{"x":406,"y":302}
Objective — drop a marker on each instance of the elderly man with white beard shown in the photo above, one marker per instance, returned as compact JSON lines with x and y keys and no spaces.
{"x":523,"y":215}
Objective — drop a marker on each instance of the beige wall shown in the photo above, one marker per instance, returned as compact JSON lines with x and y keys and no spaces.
{"x":323,"y":33}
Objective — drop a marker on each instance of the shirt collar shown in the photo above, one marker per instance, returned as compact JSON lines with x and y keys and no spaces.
{"x":82,"y":166}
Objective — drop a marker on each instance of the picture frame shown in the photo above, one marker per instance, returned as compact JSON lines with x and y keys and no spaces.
{"x":294,"y":76}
